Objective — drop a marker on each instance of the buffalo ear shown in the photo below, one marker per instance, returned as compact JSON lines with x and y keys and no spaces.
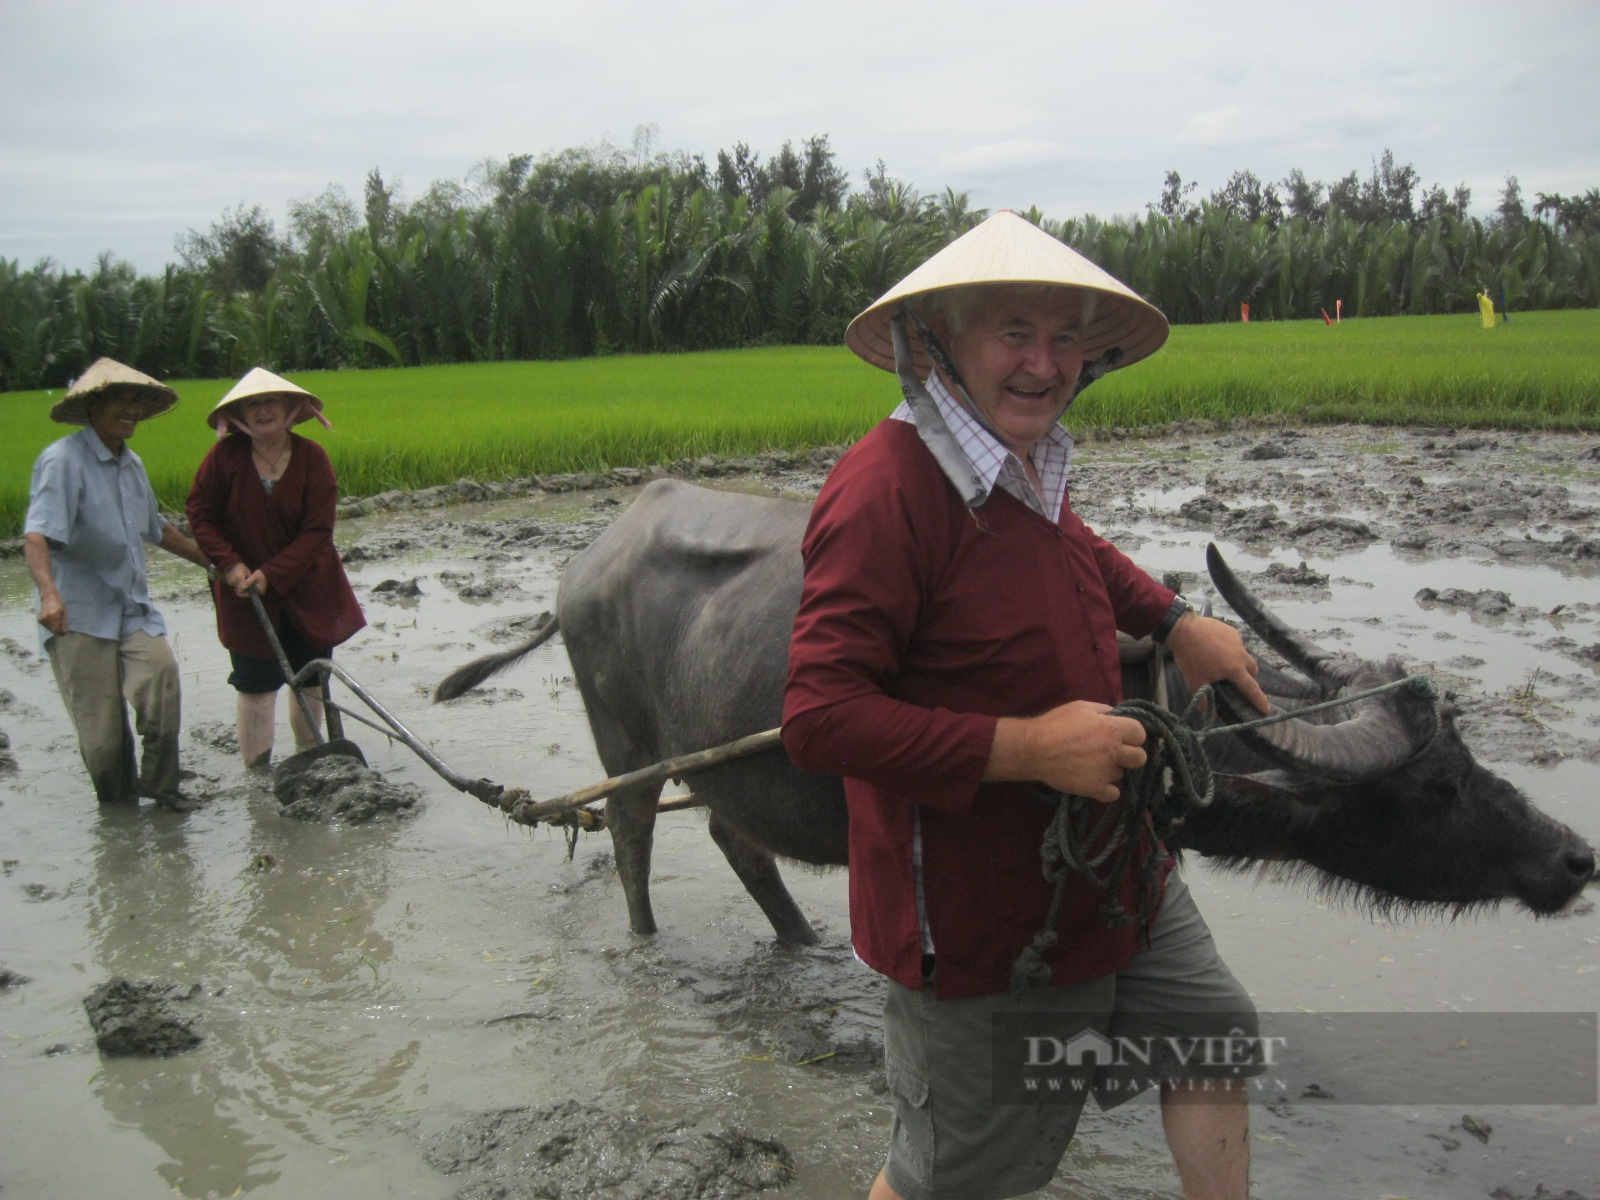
{"x":1290,"y":794}
{"x":1255,"y":823}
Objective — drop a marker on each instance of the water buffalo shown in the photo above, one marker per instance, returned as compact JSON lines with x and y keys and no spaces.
{"x":677,"y":622}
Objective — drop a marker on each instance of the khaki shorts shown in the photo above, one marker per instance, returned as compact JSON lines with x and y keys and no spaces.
{"x":953,"y":1065}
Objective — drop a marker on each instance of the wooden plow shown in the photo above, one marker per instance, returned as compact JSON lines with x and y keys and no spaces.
{"x":571,"y":810}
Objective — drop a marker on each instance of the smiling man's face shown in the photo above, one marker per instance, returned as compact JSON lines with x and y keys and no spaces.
{"x":115,"y":416}
{"x":1019,"y":354}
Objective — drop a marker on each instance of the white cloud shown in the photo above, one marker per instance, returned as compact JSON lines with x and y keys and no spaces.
{"x":1230,"y":126}
{"x":1014,"y":154}
{"x":123,"y":123}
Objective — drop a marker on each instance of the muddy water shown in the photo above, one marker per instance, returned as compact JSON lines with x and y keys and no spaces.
{"x":366,"y":989}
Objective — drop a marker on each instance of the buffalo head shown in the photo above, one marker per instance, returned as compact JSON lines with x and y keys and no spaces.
{"x":1379,"y":800}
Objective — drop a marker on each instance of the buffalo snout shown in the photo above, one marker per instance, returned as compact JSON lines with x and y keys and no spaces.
{"x":1580,"y":863}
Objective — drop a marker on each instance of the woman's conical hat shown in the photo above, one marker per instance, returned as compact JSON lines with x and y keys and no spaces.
{"x":261,"y":382}
{"x":106,"y":376}
{"x":1007,"y":248}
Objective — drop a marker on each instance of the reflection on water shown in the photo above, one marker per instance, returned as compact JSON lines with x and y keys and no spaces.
{"x":150,"y":917}
{"x":292,"y":968}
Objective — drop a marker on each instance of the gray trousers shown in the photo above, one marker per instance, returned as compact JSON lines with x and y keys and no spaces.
{"x":99,"y":680}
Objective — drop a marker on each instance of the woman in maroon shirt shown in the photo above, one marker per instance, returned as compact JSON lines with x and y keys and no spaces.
{"x":262,"y":508}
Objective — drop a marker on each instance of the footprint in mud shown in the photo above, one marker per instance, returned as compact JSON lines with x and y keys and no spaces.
{"x":814,"y":1007}
{"x":19,"y":655}
{"x":574,"y":1151}
{"x":12,"y":705}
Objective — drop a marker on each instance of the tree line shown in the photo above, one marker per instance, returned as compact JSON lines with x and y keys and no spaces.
{"x":601,"y":250}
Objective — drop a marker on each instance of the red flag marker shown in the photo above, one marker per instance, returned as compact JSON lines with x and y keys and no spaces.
{"x":1244,"y":313}
{"x":1326,"y":318}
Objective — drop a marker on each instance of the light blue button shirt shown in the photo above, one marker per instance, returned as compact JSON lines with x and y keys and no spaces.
{"x":97,"y":510}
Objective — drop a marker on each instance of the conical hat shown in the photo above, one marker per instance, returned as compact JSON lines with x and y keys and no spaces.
{"x":1007,"y":248}
{"x":104,"y":376}
{"x":261,"y":382}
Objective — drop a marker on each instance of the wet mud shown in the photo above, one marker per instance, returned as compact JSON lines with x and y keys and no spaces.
{"x":574,"y":1151}
{"x":426,"y":1002}
{"x":142,"y":1018}
{"x":337,"y":789}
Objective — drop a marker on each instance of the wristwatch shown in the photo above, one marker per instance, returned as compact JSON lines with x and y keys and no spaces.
{"x":1164,"y":630}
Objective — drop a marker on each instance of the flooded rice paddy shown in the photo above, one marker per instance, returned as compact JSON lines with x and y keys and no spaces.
{"x":365,"y":990}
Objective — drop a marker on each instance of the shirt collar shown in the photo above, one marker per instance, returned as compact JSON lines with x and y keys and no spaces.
{"x":995,"y":464}
{"x":101,"y":450}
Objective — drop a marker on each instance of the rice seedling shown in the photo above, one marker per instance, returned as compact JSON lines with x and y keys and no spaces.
{"x":427,"y":425}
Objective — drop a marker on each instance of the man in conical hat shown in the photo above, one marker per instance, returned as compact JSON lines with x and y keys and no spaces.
{"x":955,"y":646}
{"x":90,"y":511}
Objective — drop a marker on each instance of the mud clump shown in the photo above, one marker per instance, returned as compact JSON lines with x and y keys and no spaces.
{"x":1489,"y":602}
{"x":219,"y":735}
{"x":340,"y":790}
{"x":138,"y":1018}
{"x":10,"y":979}
{"x":1262,"y":451}
{"x":8,"y":760}
{"x":469,"y":587}
{"x":397,"y":589}
{"x":575,"y":1151}
{"x":1298,"y":576}
{"x":1332,"y":533}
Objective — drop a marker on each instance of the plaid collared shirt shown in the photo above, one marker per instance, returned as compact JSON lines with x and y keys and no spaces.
{"x":998,"y":466}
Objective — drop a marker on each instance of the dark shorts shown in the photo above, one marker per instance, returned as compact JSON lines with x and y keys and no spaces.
{"x":254,"y":676}
{"x":954,"y":1137}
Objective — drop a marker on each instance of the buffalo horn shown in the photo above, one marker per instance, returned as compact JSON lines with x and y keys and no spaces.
{"x":1301,"y":652}
{"x":1372,"y":743}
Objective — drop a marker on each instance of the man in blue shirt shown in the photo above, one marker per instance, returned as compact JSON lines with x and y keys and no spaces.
{"x":90,"y":511}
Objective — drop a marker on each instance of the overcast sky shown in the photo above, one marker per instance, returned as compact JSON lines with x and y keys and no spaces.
{"x":123,"y":123}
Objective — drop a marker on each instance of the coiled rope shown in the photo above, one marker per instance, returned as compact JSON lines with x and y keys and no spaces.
{"x":1176,"y":779}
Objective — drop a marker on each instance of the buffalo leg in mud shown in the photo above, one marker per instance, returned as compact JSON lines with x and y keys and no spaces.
{"x":758,"y":871}
{"x":631,"y":818}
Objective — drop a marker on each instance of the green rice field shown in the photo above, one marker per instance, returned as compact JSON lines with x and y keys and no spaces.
{"x":427,"y":425}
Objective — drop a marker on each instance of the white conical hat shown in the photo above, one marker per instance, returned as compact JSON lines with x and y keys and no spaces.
{"x":107,"y":375}
{"x":261,"y":382}
{"x":1007,"y":248}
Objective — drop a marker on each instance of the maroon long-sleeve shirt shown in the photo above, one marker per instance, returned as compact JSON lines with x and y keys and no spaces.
{"x":920,"y":625}
{"x":287,"y":533}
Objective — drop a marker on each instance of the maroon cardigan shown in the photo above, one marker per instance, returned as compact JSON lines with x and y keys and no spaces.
{"x":921,"y":624}
{"x":287,"y":533}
